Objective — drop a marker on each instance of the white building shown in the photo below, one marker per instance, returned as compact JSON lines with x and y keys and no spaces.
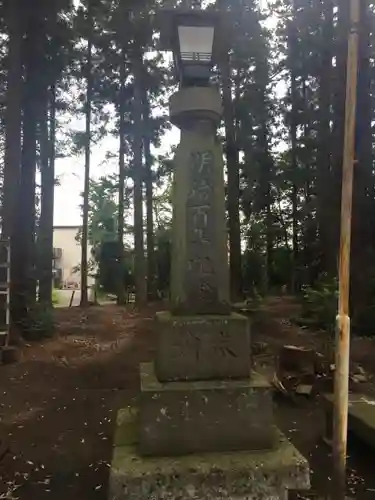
{"x":67,"y":257}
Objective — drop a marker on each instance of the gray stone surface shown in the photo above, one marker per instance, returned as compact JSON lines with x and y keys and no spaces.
{"x":202,"y":347}
{"x":201,"y":277}
{"x":361,"y":417}
{"x":186,"y":417}
{"x":197,"y":102}
{"x":200,"y":272}
{"x":262,"y":475}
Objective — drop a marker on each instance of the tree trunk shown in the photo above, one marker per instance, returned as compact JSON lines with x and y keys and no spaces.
{"x":13,"y":119}
{"x":339,"y":91}
{"x":324,"y":138}
{"x":269,"y":241}
{"x":140,"y":281}
{"x":151,"y":292}
{"x":47,"y":140}
{"x":25,"y":255}
{"x":233,"y":175}
{"x":292,"y":42}
{"x":12,"y":159}
{"x":363,"y":202}
{"x":121,"y":285}
{"x":85,"y":218}
{"x":231,"y":151}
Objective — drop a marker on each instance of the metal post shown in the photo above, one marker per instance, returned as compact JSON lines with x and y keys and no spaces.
{"x":340,"y":413}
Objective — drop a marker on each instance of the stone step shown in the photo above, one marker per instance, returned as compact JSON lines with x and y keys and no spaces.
{"x":361,"y":417}
{"x":185,"y":417}
{"x":266,"y":475}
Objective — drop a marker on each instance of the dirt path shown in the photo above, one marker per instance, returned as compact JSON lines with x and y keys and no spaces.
{"x":58,"y":405}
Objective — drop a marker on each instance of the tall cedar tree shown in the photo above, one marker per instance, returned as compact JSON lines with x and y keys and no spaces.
{"x":122,"y":173}
{"x":139,"y":268}
{"x":88,"y":109}
{"x":12,"y":160}
{"x":232,"y":160}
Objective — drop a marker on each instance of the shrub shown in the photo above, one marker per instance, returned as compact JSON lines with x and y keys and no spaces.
{"x":55,"y":297}
{"x":319,"y":304}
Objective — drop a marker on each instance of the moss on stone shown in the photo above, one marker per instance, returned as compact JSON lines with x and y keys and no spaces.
{"x":167,"y":316}
{"x":263,"y":474}
{"x":149,"y":382}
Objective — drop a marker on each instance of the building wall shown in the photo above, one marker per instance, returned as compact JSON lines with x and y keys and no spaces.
{"x":64,"y":238}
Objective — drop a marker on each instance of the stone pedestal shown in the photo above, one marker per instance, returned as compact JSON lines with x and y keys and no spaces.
{"x":252,"y":475}
{"x":200,"y":395}
{"x":202,"y":347}
{"x":187,"y":417}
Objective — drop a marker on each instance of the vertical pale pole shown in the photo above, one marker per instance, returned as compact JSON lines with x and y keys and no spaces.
{"x":340,"y":414}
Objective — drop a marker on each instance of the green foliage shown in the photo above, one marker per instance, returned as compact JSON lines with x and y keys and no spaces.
{"x":319,"y":304}
{"x":109,"y":275}
{"x":103,"y":210}
{"x":252,"y":269}
{"x":55,"y":297}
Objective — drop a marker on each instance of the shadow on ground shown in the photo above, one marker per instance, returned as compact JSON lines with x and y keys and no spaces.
{"x":58,"y":405}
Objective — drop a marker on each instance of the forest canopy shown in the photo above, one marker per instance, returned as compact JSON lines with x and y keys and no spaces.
{"x":283,"y":89}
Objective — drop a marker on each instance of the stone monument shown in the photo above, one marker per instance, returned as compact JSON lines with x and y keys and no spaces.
{"x":204,"y":427}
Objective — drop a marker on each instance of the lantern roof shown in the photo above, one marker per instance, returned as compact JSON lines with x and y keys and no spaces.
{"x":170,"y":19}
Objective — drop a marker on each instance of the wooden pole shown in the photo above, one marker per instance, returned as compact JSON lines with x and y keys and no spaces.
{"x":340,"y":414}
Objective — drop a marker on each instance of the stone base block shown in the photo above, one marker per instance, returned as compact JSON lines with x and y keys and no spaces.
{"x":361,"y":417}
{"x":185,"y":417}
{"x":262,"y":475}
{"x":202,"y":347}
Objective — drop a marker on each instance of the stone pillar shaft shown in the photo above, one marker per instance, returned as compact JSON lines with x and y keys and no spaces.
{"x":200,"y":271}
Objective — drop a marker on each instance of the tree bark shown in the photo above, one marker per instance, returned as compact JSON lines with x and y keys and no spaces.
{"x":120,"y":230}
{"x":324,"y":137}
{"x":363,"y":202}
{"x":13,"y":118}
{"x":233,"y":175}
{"x":12,"y":159}
{"x":47,"y":151}
{"x":151,"y":292}
{"x":292,"y":42}
{"x":85,"y":218}
{"x":24,"y":257}
{"x":339,"y":89}
{"x":140,"y":275}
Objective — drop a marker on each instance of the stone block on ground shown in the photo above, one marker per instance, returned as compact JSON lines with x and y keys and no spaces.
{"x":202,"y":347}
{"x":259,"y":475}
{"x":185,"y":417}
{"x":361,"y":417}
{"x":296,"y":359}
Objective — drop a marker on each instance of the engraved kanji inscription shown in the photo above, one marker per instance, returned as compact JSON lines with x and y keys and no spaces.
{"x":201,"y":283}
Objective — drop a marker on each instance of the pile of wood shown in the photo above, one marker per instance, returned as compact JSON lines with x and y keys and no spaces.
{"x":299,"y":368}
